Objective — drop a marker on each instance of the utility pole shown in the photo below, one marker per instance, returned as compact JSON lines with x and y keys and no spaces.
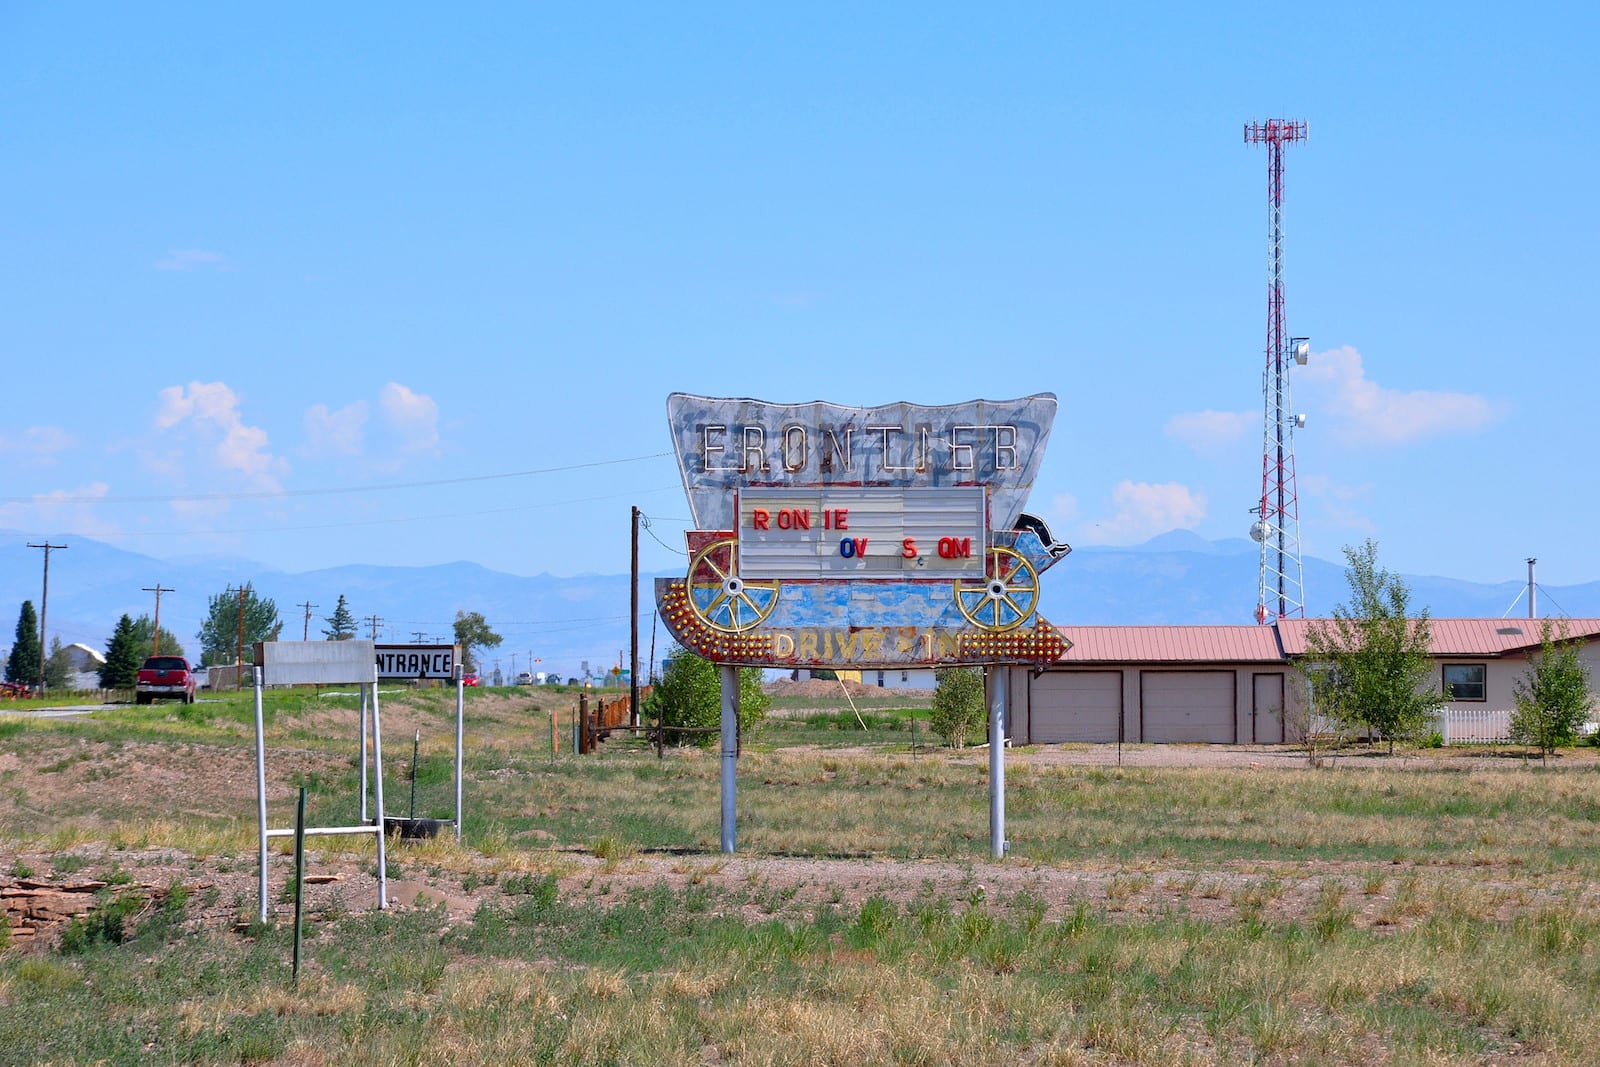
{"x":417,"y":636}
{"x":44,"y":601}
{"x":633,"y":628}
{"x":305,"y":632}
{"x":155,"y":645}
{"x":373,"y":621}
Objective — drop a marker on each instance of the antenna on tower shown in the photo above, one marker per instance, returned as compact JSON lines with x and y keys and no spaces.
{"x":1281,"y":589}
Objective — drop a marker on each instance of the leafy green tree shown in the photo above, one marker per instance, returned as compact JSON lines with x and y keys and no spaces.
{"x":23,"y":666}
{"x":957,"y":704}
{"x":144,"y":629}
{"x":472,"y":632}
{"x":123,"y":657}
{"x":690,"y":695}
{"x":1554,"y":697}
{"x":1371,"y":663}
{"x":219,"y":633}
{"x":58,"y":666}
{"x":342,"y":623}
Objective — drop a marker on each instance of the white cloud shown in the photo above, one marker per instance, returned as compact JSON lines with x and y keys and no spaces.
{"x":339,"y":432}
{"x":206,"y":415}
{"x":39,"y":443}
{"x":1335,"y":386}
{"x":187,"y":259}
{"x":1205,"y":430}
{"x":1338,"y":504}
{"x":1141,"y":510}
{"x":63,"y":509}
{"x":414,"y":416}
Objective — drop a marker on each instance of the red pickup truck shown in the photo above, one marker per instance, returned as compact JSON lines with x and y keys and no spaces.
{"x":164,"y":677}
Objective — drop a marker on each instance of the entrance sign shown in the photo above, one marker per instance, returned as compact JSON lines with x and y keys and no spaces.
{"x":833,"y":536}
{"x":417,"y":661}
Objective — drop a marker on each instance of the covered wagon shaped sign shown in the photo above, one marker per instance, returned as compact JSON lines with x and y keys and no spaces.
{"x":848,"y":537}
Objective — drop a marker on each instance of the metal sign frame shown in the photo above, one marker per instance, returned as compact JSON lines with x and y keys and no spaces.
{"x":351,"y":664}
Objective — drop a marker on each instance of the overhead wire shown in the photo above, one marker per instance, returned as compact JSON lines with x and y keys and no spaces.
{"x":274,"y":494}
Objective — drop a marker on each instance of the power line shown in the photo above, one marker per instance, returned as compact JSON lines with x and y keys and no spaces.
{"x":385,"y":522}
{"x":275,"y":494}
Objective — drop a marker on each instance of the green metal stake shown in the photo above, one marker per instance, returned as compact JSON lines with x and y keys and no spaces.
{"x":299,"y":876}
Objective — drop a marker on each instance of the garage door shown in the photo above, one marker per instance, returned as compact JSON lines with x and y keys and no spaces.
{"x":1075,"y":706}
{"x":1187,"y":706}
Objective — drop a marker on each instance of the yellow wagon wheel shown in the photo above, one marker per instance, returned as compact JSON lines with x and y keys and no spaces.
{"x":719,"y":597}
{"x":1005,"y":597}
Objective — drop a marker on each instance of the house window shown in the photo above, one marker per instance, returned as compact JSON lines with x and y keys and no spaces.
{"x":1464,"y":681}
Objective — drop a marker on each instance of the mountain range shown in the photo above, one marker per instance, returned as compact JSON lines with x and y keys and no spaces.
{"x":563,"y":622}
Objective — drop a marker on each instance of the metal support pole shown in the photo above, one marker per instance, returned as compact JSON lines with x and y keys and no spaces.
{"x":730,"y":753}
{"x":377,"y":778}
{"x":365,"y":787}
{"x":461,"y":714}
{"x":299,"y":877}
{"x":261,"y":795}
{"x":996,"y":682}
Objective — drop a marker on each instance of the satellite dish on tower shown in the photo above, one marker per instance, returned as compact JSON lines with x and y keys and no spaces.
{"x":1260,"y":530}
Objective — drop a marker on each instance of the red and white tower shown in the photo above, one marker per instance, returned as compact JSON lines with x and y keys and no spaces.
{"x":1277,"y":526}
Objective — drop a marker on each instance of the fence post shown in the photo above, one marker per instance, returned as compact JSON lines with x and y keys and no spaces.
{"x":1444,"y":725}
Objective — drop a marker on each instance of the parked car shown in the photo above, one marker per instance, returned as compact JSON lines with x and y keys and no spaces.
{"x":472,"y":680}
{"x":524,"y":678}
{"x":164,"y":678}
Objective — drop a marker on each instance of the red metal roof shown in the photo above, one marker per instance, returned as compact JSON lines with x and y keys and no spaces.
{"x":1171,"y":644}
{"x":1272,"y":644}
{"x":1464,"y":637}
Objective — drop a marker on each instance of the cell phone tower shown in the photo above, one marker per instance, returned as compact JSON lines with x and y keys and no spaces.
{"x":1277,"y":526}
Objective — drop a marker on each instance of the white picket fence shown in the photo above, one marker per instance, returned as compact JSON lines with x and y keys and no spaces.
{"x":1474,"y":726}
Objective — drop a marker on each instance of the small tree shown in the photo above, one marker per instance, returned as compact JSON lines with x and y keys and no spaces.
{"x":1554,"y":697}
{"x":690,"y":695}
{"x":957,"y":704}
{"x":342,"y":623}
{"x":144,"y":629}
{"x":472,"y":632}
{"x":58,"y":666}
{"x":1372,"y":663}
{"x":123,"y":657}
{"x":220,"y":632}
{"x":23,"y":666}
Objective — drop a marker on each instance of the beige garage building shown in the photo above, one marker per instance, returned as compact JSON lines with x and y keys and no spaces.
{"x":1228,"y":685}
{"x":1205,"y":684}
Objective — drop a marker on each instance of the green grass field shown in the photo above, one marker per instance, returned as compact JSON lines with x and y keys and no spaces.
{"x":1438,"y":910}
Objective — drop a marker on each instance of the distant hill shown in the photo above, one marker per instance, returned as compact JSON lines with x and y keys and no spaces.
{"x":1176,"y":578}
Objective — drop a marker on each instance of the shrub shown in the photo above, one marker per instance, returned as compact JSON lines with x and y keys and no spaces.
{"x":690,"y":695}
{"x":1553,"y":697}
{"x":957,"y":705}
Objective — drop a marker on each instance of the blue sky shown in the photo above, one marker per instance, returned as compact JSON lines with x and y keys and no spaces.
{"x":277,"y":251}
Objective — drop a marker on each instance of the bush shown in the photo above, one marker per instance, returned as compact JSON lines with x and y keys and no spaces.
{"x":690,"y":695}
{"x":1553,"y":697}
{"x":957,"y":705}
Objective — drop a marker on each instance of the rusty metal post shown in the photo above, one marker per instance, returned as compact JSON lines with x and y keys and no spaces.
{"x":583,"y":724}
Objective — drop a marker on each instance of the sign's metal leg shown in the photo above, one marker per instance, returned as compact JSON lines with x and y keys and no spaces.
{"x":377,"y":778}
{"x":261,"y":794}
{"x":461,"y":706}
{"x":365,"y":786}
{"x":730,"y":753}
{"x":997,"y":680}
